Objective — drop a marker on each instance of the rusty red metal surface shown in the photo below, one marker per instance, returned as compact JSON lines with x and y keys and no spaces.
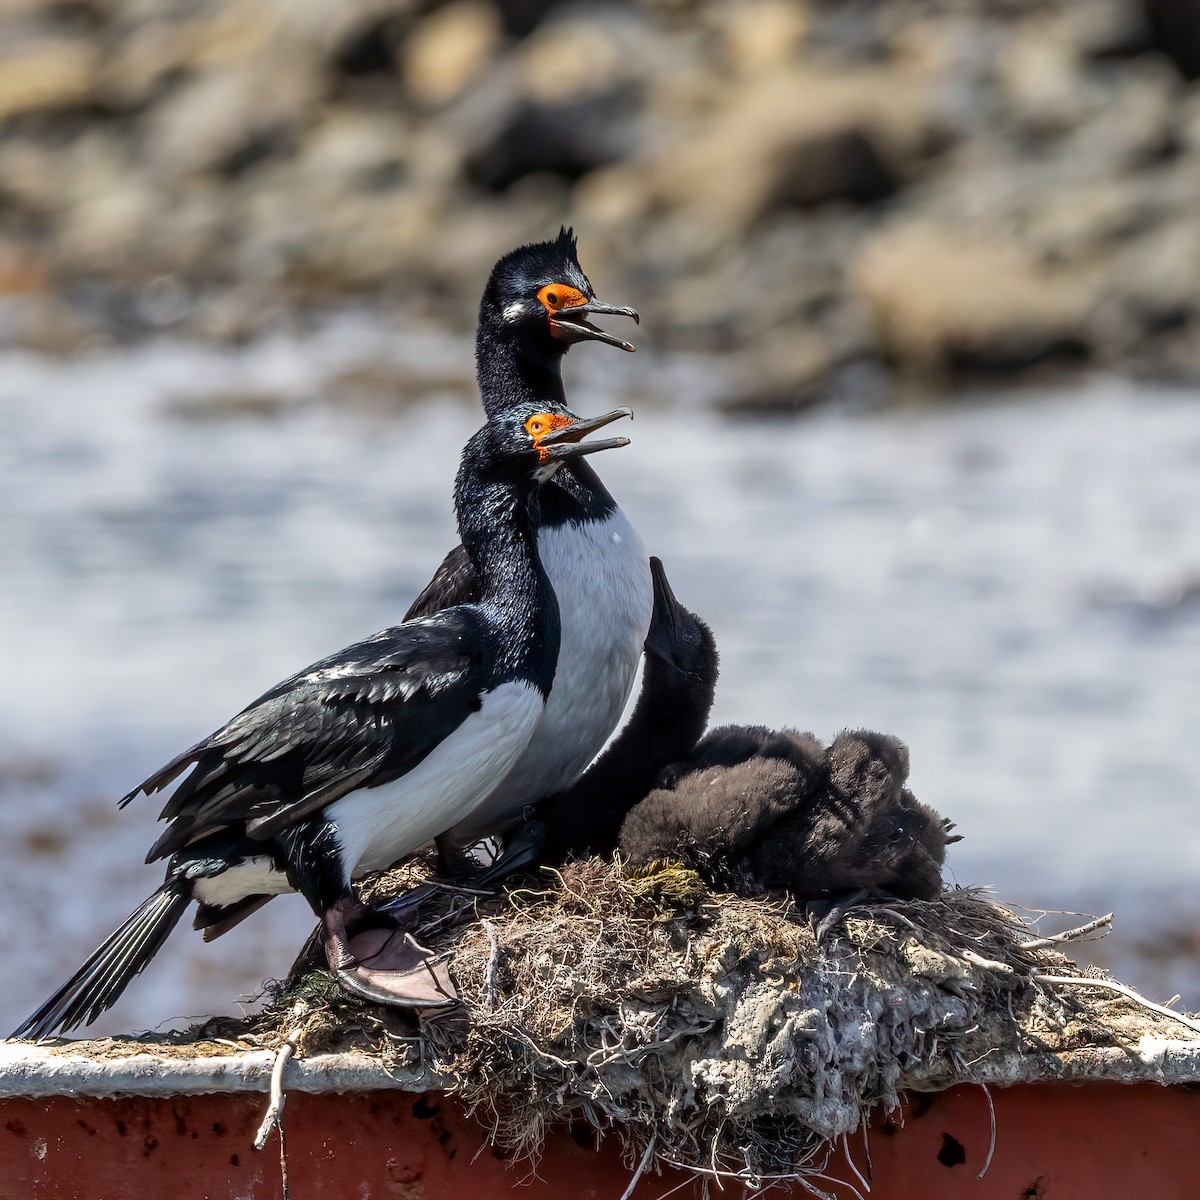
{"x":1053,"y":1142}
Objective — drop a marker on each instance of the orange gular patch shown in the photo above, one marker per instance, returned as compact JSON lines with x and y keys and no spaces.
{"x":541,"y":424}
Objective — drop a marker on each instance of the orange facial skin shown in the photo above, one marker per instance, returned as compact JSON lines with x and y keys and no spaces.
{"x":541,"y":424}
{"x":557,"y":296}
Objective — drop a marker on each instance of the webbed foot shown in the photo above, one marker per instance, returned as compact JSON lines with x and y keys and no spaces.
{"x":391,"y":967}
{"x":382,"y":962}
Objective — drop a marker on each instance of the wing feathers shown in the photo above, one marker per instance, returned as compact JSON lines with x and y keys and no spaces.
{"x":454,"y":582}
{"x":369,"y":714}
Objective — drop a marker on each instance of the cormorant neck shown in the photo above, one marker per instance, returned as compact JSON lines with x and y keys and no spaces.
{"x":510,"y":374}
{"x":498,"y":525}
{"x":669,"y":719}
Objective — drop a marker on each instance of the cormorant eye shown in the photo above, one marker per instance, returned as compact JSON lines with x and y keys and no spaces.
{"x":553,"y":299}
{"x":537,"y":426}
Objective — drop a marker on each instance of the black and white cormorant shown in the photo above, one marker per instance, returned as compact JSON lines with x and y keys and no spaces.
{"x":752,"y":809}
{"x":364,"y":757}
{"x":535,"y":307}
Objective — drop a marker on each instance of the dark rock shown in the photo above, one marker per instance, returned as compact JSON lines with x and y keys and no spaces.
{"x":1175,"y":31}
{"x":567,"y":140}
{"x":842,"y":165}
{"x":522,"y":17}
{"x":372,"y":48}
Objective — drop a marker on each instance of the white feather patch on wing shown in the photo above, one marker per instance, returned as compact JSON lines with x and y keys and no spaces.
{"x":250,"y":877}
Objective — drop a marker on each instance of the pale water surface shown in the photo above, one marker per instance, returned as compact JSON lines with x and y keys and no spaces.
{"x":1012,"y":587}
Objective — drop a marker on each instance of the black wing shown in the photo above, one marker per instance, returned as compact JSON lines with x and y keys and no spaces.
{"x":454,"y":582}
{"x":361,"y":717}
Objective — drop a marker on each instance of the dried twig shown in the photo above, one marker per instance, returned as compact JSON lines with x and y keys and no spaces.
{"x":489,"y":976}
{"x":805,"y":1181}
{"x":457,"y":889}
{"x":641,"y":1169}
{"x":891,"y":912}
{"x":988,"y":964}
{"x":274,"y":1115}
{"x":1068,"y":935}
{"x":987,"y":1162}
{"x":853,"y":1165}
{"x":717,"y":1175}
{"x":1121,"y":989}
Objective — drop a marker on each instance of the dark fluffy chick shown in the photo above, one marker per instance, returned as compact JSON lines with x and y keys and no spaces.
{"x":757,"y":810}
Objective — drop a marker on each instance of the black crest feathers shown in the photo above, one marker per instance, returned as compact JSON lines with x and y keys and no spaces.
{"x":523,"y":270}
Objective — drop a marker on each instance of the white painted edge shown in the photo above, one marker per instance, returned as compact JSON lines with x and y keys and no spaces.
{"x":1154,"y":1059}
{"x":30,"y":1070}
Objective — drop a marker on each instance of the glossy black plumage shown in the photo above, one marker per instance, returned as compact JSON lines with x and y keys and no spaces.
{"x":361,"y":717}
{"x":454,"y":582}
{"x":517,"y":363}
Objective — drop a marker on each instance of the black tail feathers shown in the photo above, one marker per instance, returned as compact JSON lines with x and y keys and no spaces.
{"x":98,"y":984}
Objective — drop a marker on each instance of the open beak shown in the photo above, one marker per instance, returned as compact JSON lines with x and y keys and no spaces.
{"x":567,"y":442}
{"x":572,"y":324}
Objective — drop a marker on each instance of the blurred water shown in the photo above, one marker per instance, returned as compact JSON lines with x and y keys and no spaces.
{"x":1012,"y":587}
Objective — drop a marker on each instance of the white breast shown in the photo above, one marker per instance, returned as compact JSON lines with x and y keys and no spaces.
{"x":376,"y":826}
{"x":601,"y":577}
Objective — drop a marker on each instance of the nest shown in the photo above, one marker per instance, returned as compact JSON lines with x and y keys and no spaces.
{"x":707,"y":1031}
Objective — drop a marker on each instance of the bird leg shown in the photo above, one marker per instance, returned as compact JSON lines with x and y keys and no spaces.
{"x":404,"y":907}
{"x":521,"y":849}
{"x":373,"y":955}
{"x":462,"y":862}
{"x":335,"y":920}
{"x":826,"y":915}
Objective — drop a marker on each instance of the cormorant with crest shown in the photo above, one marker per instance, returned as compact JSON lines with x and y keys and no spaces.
{"x":537,"y":305}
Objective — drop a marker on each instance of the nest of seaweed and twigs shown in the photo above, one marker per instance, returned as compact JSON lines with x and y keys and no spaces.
{"x":707,"y":1031}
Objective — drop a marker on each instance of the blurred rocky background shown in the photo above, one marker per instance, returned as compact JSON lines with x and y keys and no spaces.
{"x":241,"y":247}
{"x":842,"y":196}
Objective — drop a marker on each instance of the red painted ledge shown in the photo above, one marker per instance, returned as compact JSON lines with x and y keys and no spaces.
{"x":1054,"y":1141}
